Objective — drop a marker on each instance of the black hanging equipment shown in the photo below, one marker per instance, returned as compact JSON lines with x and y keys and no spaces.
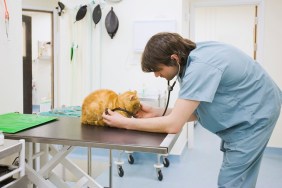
{"x":111,"y":23}
{"x":97,"y":14}
{"x":81,"y":13}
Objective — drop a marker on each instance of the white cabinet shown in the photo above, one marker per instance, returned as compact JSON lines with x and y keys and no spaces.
{"x":9,"y":148}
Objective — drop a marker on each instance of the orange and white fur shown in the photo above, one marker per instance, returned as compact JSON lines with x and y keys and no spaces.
{"x":95,"y":104}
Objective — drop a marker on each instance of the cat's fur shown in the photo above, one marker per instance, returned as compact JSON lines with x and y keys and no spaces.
{"x":95,"y":104}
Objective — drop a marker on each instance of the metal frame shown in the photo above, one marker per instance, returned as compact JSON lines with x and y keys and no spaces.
{"x":46,"y":178}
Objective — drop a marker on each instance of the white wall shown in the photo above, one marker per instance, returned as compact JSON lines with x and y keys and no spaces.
{"x":11,"y":76}
{"x":39,"y":4}
{"x":75,"y":78}
{"x":112,"y":63}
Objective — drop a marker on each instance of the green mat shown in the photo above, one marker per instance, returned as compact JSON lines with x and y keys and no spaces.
{"x":15,"y":122}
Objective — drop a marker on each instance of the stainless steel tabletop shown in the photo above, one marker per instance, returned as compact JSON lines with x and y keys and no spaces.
{"x":69,"y":131}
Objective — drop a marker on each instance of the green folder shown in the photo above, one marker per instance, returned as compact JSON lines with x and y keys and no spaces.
{"x":15,"y":122}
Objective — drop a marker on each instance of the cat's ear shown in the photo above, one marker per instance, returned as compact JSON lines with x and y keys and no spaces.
{"x":132,"y":97}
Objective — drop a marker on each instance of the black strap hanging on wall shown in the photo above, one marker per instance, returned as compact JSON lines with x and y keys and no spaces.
{"x":97,"y":14}
{"x":111,"y":23}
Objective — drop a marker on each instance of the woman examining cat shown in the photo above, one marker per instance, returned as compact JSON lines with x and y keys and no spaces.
{"x":228,"y":92}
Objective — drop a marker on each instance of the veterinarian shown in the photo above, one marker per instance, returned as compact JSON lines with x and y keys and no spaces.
{"x":222,"y":88}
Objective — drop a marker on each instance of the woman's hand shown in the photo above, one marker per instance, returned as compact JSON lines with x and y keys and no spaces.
{"x":147,"y":111}
{"x":114,"y":119}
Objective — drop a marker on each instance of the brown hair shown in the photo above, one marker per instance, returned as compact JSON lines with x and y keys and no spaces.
{"x":161,"y":46}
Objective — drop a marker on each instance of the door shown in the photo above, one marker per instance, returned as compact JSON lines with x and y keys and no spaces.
{"x":27,"y":65}
{"x":234,"y":24}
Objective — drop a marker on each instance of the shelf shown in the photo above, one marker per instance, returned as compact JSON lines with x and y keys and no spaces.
{"x":8,"y":148}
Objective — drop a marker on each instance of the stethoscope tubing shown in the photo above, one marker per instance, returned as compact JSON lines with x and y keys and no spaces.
{"x":169,"y":89}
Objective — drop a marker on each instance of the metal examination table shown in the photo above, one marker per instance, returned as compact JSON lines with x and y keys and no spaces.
{"x":69,"y":132}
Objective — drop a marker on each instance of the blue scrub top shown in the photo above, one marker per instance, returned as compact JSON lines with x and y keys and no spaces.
{"x":234,"y":90}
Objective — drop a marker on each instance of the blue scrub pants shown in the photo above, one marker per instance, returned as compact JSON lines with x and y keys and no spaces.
{"x":242,"y":157}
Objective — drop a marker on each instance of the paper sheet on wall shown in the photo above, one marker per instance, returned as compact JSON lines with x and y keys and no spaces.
{"x":144,"y":30}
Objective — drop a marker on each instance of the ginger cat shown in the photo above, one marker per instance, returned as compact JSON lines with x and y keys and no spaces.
{"x":97,"y":102}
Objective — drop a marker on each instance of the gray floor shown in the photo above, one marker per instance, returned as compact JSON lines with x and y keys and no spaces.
{"x":196,"y":168}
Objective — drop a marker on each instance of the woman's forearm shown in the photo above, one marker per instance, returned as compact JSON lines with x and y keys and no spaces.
{"x":159,"y":111}
{"x":156,"y":124}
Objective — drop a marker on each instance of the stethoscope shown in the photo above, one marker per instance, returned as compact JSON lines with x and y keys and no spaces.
{"x":170,"y":88}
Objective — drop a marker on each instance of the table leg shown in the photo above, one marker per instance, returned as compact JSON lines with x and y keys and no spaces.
{"x":110,"y":169}
{"x":89,"y":162}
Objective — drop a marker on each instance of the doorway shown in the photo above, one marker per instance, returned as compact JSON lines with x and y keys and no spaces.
{"x":27,"y":66}
{"x":38,"y":69}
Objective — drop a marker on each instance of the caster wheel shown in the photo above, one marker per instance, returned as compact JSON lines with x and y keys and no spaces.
{"x":160,"y":175}
{"x":130,"y":159}
{"x":166,"y":162}
{"x":120,"y":171}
